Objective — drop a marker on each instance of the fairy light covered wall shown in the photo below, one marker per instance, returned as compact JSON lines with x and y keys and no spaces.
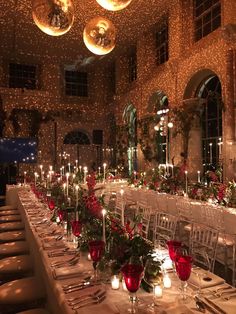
{"x":22,"y":41}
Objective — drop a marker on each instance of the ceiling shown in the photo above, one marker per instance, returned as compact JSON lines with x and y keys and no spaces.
{"x":20,"y":36}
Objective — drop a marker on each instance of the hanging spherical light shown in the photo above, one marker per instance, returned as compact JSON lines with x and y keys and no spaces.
{"x":53,"y":17}
{"x":114,"y":5}
{"x":99,"y":36}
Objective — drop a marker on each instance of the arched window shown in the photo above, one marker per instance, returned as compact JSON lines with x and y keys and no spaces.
{"x":130,"y":120}
{"x":211,"y":121}
{"x":158,"y":104}
{"x":76,"y":137}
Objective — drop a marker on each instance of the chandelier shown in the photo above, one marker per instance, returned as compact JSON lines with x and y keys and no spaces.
{"x":55,"y":18}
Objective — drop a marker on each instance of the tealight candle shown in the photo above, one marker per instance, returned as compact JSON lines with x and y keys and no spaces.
{"x":115,"y":282}
{"x":158,"y":291}
{"x":167,"y":282}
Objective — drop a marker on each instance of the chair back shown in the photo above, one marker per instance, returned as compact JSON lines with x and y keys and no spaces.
{"x":204,"y":239}
{"x":165,"y":226}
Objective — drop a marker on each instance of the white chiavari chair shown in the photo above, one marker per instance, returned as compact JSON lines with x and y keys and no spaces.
{"x":164,"y":227}
{"x":203,"y":240}
{"x":226,"y":252}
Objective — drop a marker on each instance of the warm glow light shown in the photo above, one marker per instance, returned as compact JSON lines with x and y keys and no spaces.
{"x":99,"y":36}
{"x":53,"y":17}
{"x":114,"y":5}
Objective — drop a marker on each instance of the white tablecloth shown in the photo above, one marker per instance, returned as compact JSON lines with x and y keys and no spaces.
{"x":56,"y":298}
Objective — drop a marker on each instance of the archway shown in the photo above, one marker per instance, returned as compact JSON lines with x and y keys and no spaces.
{"x":211,"y":121}
{"x":130,"y":121}
{"x":154,"y":133}
{"x":79,"y":139}
{"x":204,"y":90}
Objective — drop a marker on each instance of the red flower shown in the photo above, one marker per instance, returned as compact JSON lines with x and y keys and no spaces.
{"x":93,"y":205}
{"x":221,"y":192}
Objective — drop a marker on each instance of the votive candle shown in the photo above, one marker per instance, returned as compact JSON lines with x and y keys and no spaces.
{"x":158,"y":292}
{"x":115,"y":282}
{"x":167,"y":282}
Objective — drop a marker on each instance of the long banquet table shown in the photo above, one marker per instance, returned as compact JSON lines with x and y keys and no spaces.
{"x":36,"y":219}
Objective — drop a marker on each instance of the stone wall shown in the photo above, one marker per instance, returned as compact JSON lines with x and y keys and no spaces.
{"x":188,"y":65}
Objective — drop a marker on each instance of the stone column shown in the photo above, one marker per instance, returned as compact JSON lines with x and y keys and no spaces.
{"x":229,"y":146}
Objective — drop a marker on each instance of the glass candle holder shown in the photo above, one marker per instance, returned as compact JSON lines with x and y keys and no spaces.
{"x":115,"y":282}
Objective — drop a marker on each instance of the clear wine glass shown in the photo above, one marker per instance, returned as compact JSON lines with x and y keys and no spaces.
{"x":201,"y":269}
{"x":133,"y":274}
{"x":153,"y":277}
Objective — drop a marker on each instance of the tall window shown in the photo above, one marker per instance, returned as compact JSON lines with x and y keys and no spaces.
{"x":130,"y":120}
{"x":162,"y":131}
{"x":207,"y":17}
{"x":22,"y":76}
{"x":76,"y":83}
{"x":162,"y":42}
{"x":211,"y":122}
{"x":133,"y":65}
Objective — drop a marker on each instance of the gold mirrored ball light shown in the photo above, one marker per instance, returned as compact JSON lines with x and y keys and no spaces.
{"x":114,"y":5}
{"x":53,"y":17}
{"x":99,"y":36}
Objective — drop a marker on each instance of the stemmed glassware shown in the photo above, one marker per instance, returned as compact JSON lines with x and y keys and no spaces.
{"x":51,"y":204}
{"x":201,"y":259}
{"x":172,"y":247}
{"x":96,"y":250}
{"x":183,"y":265}
{"x":76,"y":226}
{"x":153,"y":276}
{"x":133,"y":274}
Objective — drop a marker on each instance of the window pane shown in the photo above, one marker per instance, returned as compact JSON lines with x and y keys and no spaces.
{"x":207,"y":17}
{"x":76,"y":83}
{"x":22,"y":76}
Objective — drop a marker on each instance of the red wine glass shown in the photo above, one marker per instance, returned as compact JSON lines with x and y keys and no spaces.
{"x":51,"y":204}
{"x":172,"y":247}
{"x":183,"y":265}
{"x":96,"y":250}
{"x":76,"y":227}
{"x":133,"y":274}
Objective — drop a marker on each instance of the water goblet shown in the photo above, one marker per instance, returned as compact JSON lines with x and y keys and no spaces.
{"x":132,"y":275}
{"x":76,"y":226}
{"x":96,"y":250}
{"x":183,"y":266}
{"x":51,"y":204}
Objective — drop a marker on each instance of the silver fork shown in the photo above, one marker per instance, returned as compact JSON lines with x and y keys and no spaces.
{"x":70,"y":263}
{"x":57,"y":263}
{"x":228,"y":291}
{"x":228,"y":297}
{"x":91,"y":301}
{"x":75,"y":300}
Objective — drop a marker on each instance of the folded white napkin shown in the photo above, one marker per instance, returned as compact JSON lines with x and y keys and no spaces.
{"x":229,"y":306}
{"x":53,"y":245}
{"x":68,"y":272}
{"x":203,"y":279}
{"x":103,"y":308}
